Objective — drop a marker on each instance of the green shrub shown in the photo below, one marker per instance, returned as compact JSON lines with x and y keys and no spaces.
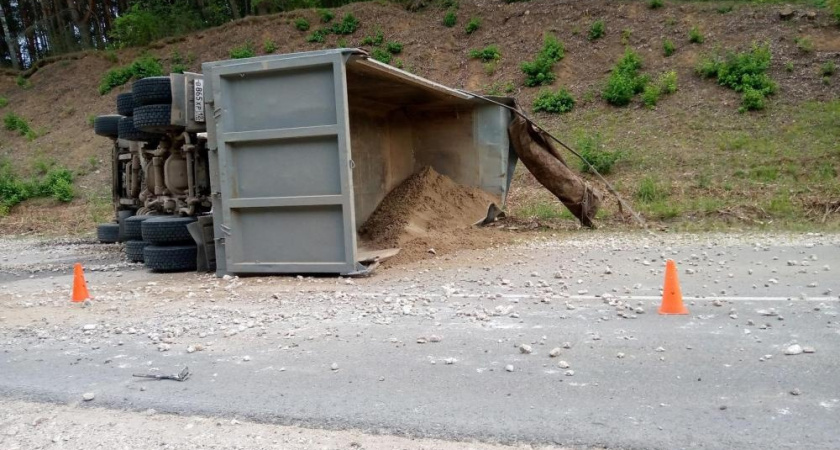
{"x":557,"y":102}
{"x":245,"y":50}
{"x":3,"y":102}
{"x":14,"y":122}
{"x":695,"y":36}
{"x":395,"y":48}
{"x":326,"y":15}
{"x":590,"y":147}
{"x":540,"y":71}
{"x":319,"y":35}
{"x":269,"y":46}
{"x":302,"y":24}
{"x":473,"y":25}
{"x":789,"y":66}
{"x":450,"y":19}
{"x":486,"y":54}
{"x":742,"y":72}
{"x":625,"y":81}
{"x":597,"y":30}
{"x":804,"y":44}
{"x":142,"y":67}
{"x":377,"y":39}
{"x":651,"y":94}
{"x":22,"y":82}
{"x":668,"y":48}
{"x":827,"y":69}
{"x":56,"y":182}
{"x":650,"y":190}
{"x":655,"y":4}
{"x":348,"y":25}
{"x":668,"y":82}
{"x":724,"y":9}
{"x":381,"y":55}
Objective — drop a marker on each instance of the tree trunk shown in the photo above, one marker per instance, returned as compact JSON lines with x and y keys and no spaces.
{"x":234,"y":7}
{"x":11,"y":42}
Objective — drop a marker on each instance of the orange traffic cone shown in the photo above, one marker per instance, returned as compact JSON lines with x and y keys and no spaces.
{"x":80,"y":291}
{"x":671,"y":294}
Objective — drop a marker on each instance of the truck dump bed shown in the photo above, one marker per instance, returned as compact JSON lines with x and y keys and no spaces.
{"x":304,"y":146}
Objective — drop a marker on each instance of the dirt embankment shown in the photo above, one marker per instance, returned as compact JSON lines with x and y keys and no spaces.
{"x":63,"y":95}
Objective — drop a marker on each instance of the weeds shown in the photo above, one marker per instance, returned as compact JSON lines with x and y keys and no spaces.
{"x":394,"y":48}
{"x":804,"y":44}
{"x":381,"y":55}
{"x":666,"y":84}
{"x":655,"y":4}
{"x":319,"y":35}
{"x":301,"y":24}
{"x":348,"y":25}
{"x":245,"y":50}
{"x":142,"y":67}
{"x":591,"y":149}
{"x":695,"y":36}
{"x":557,"y":102}
{"x":14,"y":122}
{"x":540,"y":71}
{"x":668,"y":48}
{"x":486,"y":54}
{"x":56,"y":182}
{"x":22,"y":82}
{"x":498,"y":88}
{"x":650,"y":190}
{"x":724,"y":9}
{"x":597,"y":30}
{"x":326,"y":15}
{"x":744,"y":72}
{"x":624,"y":81}
{"x":828,"y":68}
{"x":625,"y":36}
{"x":3,"y":102}
{"x":473,"y":25}
{"x":91,"y":120}
{"x":269,"y":46}
{"x":789,"y":66}
{"x":450,"y":19}
{"x":651,"y":94}
{"x":377,"y":39}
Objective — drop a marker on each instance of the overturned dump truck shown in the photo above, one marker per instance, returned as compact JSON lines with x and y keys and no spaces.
{"x":272,"y":164}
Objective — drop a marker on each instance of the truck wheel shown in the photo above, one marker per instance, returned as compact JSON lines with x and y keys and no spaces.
{"x":129,"y":133}
{"x":154,"y":119}
{"x":108,"y":126}
{"x":131,"y":228}
{"x":134,"y":250}
{"x":152,"y":91}
{"x":175,"y":258}
{"x":125,"y":104}
{"x":167,"y":230}
{"x":108,"y":233}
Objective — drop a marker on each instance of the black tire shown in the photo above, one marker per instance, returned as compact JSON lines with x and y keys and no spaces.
{"x":108,"y":126}
{"x":134,"y":250}
{"x":172,"y":258}
{"x":152,"y":91}
{"x":121,"y":216}
{"x":167,"y":230}
{"x":125,"y":104}
{"x":154,"y":119}
{"x":129,"y":133}
{"x":108,"y":233}
{"x":131,"y":228}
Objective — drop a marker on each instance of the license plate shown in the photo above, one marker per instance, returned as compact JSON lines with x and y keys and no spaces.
{"x":199,"y":99}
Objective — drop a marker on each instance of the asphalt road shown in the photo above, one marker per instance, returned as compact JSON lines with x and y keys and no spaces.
{"x":717,"y":378}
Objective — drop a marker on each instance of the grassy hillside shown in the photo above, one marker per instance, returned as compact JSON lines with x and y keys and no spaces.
{"x":692,"y":160}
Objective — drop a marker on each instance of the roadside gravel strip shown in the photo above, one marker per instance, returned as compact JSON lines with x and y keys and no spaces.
{"x":552,"y":341}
